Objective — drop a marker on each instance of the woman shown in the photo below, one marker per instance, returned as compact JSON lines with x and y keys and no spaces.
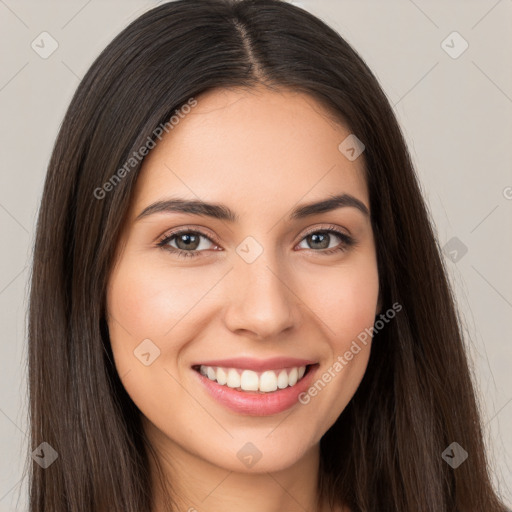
{"x":238,"y":301}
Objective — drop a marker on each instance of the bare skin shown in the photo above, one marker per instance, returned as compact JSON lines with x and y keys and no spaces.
{"x":261,"y":153}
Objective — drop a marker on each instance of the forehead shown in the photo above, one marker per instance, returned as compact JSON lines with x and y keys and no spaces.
{"x":252,"y":148}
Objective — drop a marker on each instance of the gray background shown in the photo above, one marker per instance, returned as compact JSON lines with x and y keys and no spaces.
{"x":455,"y":113}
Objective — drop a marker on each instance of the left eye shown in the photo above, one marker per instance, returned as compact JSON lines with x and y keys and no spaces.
{"x":322,"y":239}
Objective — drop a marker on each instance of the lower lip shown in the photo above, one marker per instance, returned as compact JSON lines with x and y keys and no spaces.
{"x":256,"y":403}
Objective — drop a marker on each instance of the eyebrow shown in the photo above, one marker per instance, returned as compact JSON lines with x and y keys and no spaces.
{"x":222,"y":212}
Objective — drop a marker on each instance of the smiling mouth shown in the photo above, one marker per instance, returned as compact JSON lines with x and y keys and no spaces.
{"x":245,"y":381}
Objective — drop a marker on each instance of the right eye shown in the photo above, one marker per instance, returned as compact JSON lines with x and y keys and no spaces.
{"x":188,"y":242}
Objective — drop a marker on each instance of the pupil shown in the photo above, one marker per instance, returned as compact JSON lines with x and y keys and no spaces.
{"x":324,"y":243}
{"x":188,"y":241}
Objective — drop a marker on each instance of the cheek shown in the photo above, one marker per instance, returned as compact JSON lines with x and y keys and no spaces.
{"x":153,"y":310}
{"x":142,"y":307}
{"x":139,"y":312}
{"x":344,"y":299}
{"x":150,"y":300}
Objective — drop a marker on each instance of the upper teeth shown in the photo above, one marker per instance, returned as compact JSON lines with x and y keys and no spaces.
{"x":248,"y":380}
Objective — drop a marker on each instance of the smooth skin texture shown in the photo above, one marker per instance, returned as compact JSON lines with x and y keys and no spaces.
{"x":261,"y":153}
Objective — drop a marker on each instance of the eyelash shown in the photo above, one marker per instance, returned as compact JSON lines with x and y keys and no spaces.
{"x":346,"y":241}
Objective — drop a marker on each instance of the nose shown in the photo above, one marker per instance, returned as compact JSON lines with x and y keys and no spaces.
{"x":262,"y":303}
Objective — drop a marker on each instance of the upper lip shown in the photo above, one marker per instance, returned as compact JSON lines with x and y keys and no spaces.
{"x":248,"y":363}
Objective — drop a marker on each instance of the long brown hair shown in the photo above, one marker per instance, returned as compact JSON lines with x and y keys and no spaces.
{"x":384,"y":453}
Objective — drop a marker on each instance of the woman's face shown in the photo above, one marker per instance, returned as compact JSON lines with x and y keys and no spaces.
{"x":226,"y":336}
